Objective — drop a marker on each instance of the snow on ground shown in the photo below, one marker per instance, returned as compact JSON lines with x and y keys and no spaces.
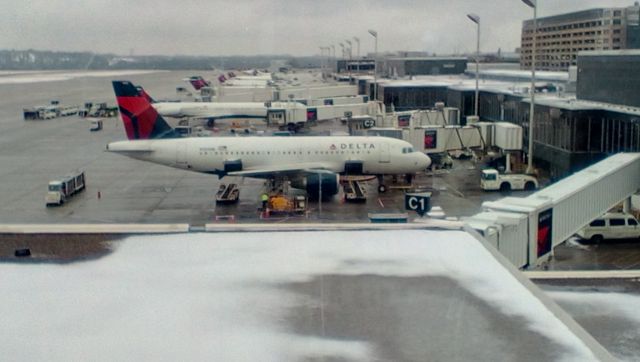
{"x":613,"y":318}
{"x":57,"y":76}
{"x":219,"y":296}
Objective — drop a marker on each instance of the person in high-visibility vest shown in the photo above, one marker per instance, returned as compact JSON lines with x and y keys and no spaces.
{"x":265,"y":199}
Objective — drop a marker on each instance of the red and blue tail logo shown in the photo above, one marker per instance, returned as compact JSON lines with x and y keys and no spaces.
{"x":198,"y":82}
{"x":141,"y":121}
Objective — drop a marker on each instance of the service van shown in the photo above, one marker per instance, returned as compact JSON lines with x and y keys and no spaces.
{"x":611,"y":226}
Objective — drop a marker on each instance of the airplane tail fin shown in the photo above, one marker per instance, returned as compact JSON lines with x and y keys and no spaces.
{"x":198,"y":82}
{"x":141,"y":121}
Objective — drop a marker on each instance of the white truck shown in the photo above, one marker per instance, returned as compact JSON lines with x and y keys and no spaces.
{"x":492,"y":180}
{"x":61,"y":190}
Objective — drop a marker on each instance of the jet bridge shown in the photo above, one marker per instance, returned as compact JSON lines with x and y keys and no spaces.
{"x":526,"y":229}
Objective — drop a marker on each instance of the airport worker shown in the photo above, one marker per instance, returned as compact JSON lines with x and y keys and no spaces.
{"x":265,"y":198}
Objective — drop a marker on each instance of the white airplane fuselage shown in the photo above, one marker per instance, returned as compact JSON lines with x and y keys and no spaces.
{"x":378,"y":155}
{"x":211,"y":110}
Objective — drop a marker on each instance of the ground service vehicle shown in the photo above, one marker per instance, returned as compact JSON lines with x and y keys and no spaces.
{"x":98,"y":110}
{"x":227,"y":194}
{"x":96,"y":125}
{"x":492,"y":180}
{"x":354,"y":192}
{"x":61,"y":190}
{"x":286,"y":204}
{"x":611,"y":225}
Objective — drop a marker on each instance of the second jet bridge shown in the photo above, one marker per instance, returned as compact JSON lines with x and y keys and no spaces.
{"x":526,"y":229}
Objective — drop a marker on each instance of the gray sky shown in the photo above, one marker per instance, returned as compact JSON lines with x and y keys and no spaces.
{"x":243,"y":27}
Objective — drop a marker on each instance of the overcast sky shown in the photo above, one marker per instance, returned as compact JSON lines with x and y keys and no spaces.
{"x":243,"y":27}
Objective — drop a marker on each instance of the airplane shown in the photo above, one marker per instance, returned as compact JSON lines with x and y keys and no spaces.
{"x":310,"y":163}
{"x":252,"y":78}
{"x":198,"y":82}
{"x":208,"y":111}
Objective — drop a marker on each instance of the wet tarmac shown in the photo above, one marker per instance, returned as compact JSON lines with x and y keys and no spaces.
{"x":122,"y":190}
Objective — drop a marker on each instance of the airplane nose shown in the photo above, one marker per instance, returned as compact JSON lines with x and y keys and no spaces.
{"x":425,"y":161}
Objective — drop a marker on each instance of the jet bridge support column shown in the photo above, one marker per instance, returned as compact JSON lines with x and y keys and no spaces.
{"x":626,"y":205}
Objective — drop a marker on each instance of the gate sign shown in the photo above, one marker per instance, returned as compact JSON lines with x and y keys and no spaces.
{"x":419,"y":202}
{"x":368,"y":123}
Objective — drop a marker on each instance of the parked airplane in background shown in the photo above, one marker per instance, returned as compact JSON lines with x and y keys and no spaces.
{"x":208,"y":111}
{"x":311,"y":163}
{"x":198,"y":82}
{"x":249,"y":78}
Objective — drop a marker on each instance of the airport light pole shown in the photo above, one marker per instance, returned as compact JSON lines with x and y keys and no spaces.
{"x":476,"y":19}
{"x":357,"y":42}
{"x":325,"y":67}
{"x":333,"y":59}
{"x":374,"y":34}
{"x":358,"y":52}
{"x":533,"y":4}
{"x":349,"y":61}
{"x":322,"y":60}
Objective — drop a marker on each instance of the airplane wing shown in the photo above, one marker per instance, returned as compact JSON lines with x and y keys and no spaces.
{"x":290,"y":169}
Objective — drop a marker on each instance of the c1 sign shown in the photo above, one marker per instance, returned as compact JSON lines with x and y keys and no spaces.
{"x":419,"y":202}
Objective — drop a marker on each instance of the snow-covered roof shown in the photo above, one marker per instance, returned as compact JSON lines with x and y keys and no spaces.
{"x":347,"y":295}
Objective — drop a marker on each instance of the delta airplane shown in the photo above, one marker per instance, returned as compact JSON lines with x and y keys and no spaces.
{"x":209,"y":111}
{"x":253,"y":78}
{"x":310,"y":163}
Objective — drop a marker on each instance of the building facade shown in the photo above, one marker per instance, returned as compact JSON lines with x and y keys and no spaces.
{"x":560,"y":37}
{"x":402,"y":67}
{"x":609,"y":77}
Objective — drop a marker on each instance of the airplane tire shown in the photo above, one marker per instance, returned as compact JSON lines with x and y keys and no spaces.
{"x":382,"y":189}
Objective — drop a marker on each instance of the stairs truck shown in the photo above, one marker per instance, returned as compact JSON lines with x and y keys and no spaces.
{"x":492,"y":180}
{"x":61,"y":190}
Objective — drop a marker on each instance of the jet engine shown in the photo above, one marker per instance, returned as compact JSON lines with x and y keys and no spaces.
{"x":329,"y":182}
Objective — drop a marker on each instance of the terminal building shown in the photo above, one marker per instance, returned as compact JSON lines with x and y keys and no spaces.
{"x":354,"y":66}
{"x":571,"y":131}
{"x":402,"y":67}
{"x":561,"y":37}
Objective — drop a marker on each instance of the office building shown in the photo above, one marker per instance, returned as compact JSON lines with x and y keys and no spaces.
{"x":561,"y":37}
